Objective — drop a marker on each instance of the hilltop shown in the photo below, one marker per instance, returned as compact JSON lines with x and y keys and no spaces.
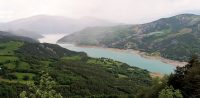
{"x":176,"y":37}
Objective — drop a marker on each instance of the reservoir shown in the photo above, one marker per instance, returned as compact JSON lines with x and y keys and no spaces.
{"x":122,"y":56}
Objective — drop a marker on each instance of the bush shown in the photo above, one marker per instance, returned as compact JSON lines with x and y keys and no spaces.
{"x":7,"y":91}
{"x":25,"y":77}
{"x":170,"y":92}
{"x":10,"y":76}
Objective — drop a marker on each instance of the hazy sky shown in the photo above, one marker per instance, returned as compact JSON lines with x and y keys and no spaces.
{"x":129,"y":11}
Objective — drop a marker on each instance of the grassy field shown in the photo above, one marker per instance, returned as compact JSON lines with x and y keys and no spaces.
{"x":73,"y":58}
{"x":9,"y":47}
{"x":15,"y":81}
{"x":104,"y":62}
{"x":23,"y":66}
{"x":20,"y":76}
{"x":7,"y":58}
{"x":10,"y":65}
{"x":7,"y":52}
{"x":45,"y":63}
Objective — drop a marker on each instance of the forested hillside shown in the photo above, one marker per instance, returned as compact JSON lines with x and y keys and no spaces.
{"x":75,"y":74}
{"x":184,"y":83}
{"x":175,"y":37}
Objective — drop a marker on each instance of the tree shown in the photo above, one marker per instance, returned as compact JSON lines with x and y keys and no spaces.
{"x":25,"y":77}
{"x":170,"y":92}
{"x":43,"y":90}
{"x":187,"y":78}
{"x":153,"y":92}
{"x":7,"y":91}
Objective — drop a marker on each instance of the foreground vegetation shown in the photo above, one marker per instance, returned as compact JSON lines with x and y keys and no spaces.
{"x":184,"y":83}
{"x":43,"y":90}
{"x":75,"y":74}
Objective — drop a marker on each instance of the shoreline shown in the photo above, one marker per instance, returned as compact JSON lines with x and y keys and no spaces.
{"x":156,"y":75}
{"x":144,"y":55}
{"x":141,"y":54}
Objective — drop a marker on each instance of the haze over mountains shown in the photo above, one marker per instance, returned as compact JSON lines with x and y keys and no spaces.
{"x":43,"y":24}
{"x":8,"y":36}
{"x":175,"y":37}
{"x":95,"y":49}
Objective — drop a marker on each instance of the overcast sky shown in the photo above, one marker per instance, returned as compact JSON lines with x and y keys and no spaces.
{"x":128,"y":11}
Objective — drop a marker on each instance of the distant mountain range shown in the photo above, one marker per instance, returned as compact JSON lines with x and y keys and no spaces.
{"x":26,"y":33}
{"x":176,"y":37}
{"x":35,"y":26}
{"x":5,"y":36}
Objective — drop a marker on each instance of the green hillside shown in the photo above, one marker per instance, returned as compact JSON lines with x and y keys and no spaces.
{"x":76,"y":74}
{"x":175,"y":37}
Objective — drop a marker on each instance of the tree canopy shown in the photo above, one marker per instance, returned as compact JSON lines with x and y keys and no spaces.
{"x":43,"y":90}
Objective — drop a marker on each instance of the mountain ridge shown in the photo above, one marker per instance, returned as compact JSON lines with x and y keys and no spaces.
{"x":48,"y":24}
{"x":157,"y":37}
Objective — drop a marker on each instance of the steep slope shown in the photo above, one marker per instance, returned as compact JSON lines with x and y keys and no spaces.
{"x":76,"y":74}
{"x":175,"y":37}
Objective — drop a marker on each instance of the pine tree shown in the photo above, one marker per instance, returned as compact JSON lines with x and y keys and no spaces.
{"x":187,"y":79}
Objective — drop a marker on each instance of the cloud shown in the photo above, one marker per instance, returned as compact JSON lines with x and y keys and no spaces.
{"x":129,"y":11}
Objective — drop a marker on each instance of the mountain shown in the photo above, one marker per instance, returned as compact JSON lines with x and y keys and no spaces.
{"x":3,"y":33}
{"x":175,"y":37}
{"x":26,"y":33}
{"x":44,"y":24}
{"x":76,"y":74}
{"x":6,"y":36}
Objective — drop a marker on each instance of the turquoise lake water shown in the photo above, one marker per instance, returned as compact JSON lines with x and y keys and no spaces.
{"x":126,"y":57}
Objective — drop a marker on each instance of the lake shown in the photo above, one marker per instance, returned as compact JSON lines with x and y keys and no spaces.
{"x":123,"y":56}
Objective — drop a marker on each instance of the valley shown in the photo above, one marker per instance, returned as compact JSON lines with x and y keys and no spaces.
{"x":76,"y":74}
{"x":131,"y":57}
{"x":124,"y":61}
{"x":99,"y":48}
